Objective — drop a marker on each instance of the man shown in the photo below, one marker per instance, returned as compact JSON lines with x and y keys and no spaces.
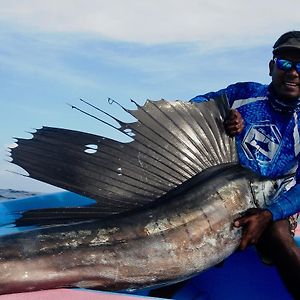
{"x":266,"y":123}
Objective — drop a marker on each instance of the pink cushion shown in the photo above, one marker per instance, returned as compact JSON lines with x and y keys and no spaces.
{"x":67,"y":294}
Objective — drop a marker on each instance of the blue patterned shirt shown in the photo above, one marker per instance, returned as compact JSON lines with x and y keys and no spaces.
{"x":269,"y":144}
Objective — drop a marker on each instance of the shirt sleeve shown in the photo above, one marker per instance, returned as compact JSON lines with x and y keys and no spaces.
{"x":286,"y":204}
{"x":208,"y":96}
{"x":233,"y":92}
{"x":239,"y":90}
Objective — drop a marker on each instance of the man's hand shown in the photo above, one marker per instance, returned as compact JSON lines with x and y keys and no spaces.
{"x":254,"y":223}
{"x":234,"y":123}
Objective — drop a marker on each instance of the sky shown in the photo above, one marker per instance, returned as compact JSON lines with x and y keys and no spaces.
{"x":53,"y":53}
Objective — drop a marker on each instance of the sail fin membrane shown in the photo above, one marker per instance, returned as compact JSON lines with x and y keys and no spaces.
{"x":172,"y":141}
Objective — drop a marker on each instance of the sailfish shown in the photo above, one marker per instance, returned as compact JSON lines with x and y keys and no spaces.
{"x":164,"y":202}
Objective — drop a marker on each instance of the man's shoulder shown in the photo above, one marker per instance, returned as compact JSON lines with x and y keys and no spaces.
{"x":244,"y":90}
{"x":236,"y":91}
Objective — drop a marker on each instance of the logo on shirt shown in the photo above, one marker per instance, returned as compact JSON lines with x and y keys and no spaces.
{"x":262,"y":142}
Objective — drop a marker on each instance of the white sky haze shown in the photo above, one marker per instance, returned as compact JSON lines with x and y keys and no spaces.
{"x":56,"y":52}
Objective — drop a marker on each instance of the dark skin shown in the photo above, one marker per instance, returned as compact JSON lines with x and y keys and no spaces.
{"x":258,"y":227}
{"x":286,"y":83}
{"x":277,"y":242}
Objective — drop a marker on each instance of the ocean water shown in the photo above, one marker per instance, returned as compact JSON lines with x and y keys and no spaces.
{"x":13,"y":194}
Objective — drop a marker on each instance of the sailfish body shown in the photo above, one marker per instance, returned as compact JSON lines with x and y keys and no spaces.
{"x":165,"y":203}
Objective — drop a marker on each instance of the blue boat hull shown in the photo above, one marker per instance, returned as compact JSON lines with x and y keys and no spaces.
{"x":241,"y":276}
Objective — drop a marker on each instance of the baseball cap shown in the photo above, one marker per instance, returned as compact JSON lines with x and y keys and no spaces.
{"x":288,"y":41}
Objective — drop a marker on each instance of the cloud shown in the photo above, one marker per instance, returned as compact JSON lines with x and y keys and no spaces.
{"x":56,"y":51}
{"x":210,"y":22}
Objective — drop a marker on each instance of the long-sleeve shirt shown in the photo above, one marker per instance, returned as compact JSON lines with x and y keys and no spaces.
{"x":269,"y":143}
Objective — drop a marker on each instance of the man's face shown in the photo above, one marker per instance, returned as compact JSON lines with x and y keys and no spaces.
{"x":286,"y":83}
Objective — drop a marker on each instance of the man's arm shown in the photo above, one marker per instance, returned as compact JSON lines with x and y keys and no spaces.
{"x":256,"y":220}
{"x":286,"y":204}
{"x":254,"y":223}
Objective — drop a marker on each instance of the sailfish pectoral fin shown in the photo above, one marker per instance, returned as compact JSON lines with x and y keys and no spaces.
{"x":50,"y":216}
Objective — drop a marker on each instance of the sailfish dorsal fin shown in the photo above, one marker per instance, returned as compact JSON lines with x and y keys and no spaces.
{"x":172,"y":141}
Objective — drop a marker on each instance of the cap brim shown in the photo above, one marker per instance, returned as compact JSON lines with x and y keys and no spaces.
{"x":286,"y":48}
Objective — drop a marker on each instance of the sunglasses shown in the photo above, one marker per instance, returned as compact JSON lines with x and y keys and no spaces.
{"x":286,"y":65}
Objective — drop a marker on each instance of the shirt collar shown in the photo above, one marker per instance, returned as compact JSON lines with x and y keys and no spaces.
{"x":282,"y":106}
